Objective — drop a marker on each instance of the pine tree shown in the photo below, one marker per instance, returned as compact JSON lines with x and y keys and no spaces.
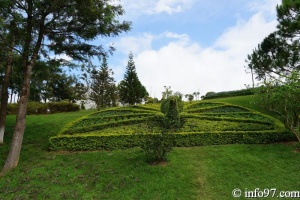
{"x":131,"y":90}
{"x":103,"y":88}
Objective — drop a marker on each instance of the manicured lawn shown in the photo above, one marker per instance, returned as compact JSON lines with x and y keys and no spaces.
{"x":209,"y":172}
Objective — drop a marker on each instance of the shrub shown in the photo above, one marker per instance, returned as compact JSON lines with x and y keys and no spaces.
{"x":41,"y":108}
{"x":244,"y":92}
{"x":157,"y":146}
{"x":164,"y":106}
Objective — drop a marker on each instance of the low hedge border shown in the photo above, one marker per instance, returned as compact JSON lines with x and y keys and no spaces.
{"x":70,"y":130}
{"x":111,"y":142}
{"x":36,"y":108}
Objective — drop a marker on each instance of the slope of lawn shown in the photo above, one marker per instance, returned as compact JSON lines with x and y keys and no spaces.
{"x":206,"y":123}
{"x":208,"y":172}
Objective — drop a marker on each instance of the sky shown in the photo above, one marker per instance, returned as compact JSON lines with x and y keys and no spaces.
{"x":191,"y":45}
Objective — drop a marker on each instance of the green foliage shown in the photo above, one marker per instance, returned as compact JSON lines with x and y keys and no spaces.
{"x":165,"y":104}
{"x":172,"y":118}
{"x":220,"y":123}
{"x":131,"y":90}
{"x":283,"y":97}
{"x":103,"y":88}
{"x":157,"y":146}
{"x":244,"y":92}
{"x":45,"y":108}
{"x":109,"y":142}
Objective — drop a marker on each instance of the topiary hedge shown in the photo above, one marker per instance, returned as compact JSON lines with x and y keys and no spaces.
{"x":243,"y":92}
{"x":126,"y":127}
{"x":110,"y":142}
{"x":44,"y":108}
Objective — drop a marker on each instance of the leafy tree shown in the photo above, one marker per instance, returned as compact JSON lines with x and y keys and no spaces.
{"x":131,"y":90}
{"x":190,"y":97}
{"x":178,"y":94}
{"x":8,"y":40}
{"x":64,"y":87}
{"x":167,"y":93}
{"x":282,"y":97}
{"x":276,"y":61}
{"x":103,"y":88}
{"x":64,"y":27}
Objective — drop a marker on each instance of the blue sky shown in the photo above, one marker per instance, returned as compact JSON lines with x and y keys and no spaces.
{"x":191,"y":45}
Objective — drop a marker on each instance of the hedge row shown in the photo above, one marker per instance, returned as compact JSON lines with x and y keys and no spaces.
{"x":70,"y":129}
{"x":45,"y":108}
{"x":243,"y":92}
{"x":91,"y":121}
{"x":218,"y":109}
{"x":96,"y":142}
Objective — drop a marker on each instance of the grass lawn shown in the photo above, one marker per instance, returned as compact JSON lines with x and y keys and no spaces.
{"x":209,"y":172}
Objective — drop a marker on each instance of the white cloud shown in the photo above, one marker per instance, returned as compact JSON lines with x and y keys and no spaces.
{"x":135,"y":44}
{"x":268,"y":7}
{"x":187,"y":67}
{"x":156,"y":6}
{"x":62,"y":56}
{"x":171,"y":6}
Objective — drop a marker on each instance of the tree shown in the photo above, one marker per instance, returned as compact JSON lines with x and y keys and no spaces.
{"x":64,"y":27}
{"x":7,"y":42}
{"x":4,"y":90}
{"x":288,"y":18}
{"x":103,"y":88}
{"x":64,"y":87}
{"x":178,"y":94}
{"x":167,"y":93}
{"x":190,"y":97}
{"x":276,"y":60}
{"x":131,"y":90}
{"x":274,"y":56}
{"x":282,"y":97}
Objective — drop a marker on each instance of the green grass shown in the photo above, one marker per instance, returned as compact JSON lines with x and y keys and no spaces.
{"x":209,"y":172}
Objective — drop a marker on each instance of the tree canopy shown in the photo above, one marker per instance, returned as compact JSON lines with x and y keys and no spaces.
{"x":131,"y":90}
{"x":103,"y":88}
{"x":62,"y":27}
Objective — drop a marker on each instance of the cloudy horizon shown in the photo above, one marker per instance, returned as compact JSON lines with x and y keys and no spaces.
{"x":192,"y":46}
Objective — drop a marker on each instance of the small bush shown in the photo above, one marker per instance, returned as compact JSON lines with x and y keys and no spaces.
{"x":157,"y":146}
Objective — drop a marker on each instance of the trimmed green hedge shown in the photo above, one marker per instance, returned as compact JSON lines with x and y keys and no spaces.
{"x":34,"y":108}
{"x":73,"y":130}
{"x":243,"y":92}
{"x":96,"y":142}
{"x":126,"y":127}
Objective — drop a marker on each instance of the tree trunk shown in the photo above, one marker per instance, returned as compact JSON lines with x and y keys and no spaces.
{"x":15,"y":149}
{"x":4,"y":92}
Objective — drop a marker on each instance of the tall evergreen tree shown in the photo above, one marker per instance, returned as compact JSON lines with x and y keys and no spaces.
{"x":103,"y":88}
{"x":131,"y":90}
